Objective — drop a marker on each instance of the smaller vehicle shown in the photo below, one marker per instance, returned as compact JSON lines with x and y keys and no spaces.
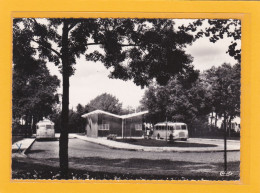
{"x":171,"y":131}
{"x":45,"y":129}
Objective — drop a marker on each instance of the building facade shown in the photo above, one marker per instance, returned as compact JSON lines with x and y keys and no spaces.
{"x":101,"y":124}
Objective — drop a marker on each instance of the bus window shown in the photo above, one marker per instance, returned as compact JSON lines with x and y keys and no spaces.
{"x":178,"y":127}
{"x":183,"y":127}
{"x":48,"y":127}
{"x":171,"y":128}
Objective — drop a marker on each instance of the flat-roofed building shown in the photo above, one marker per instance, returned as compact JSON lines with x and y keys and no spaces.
{"x":101,"y":124}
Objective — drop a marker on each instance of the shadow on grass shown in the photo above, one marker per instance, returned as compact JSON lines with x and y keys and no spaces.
{"x":161,"y":143}
{"x":46,"y":139}
{"x":180,"y":170}
{"x":35,"y":151}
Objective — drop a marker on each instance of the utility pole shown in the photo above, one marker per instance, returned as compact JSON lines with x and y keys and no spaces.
{"x":122,"y":128}
{"x":225,"y":144}
{"x":166,"y":129}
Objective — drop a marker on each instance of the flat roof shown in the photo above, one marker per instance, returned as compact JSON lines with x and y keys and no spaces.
{"x":169,"y":123}
{"x":114,"y":115}
{"x":133,"y":114}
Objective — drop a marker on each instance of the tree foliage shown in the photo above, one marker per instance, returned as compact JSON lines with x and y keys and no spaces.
{"x":105,"y":102}
{"x":137,"y":49}
{"x":176,"y":101}
{"x":218,"y":29}
{"x":224,"y":86}
{"x":34,"y":89}
{"x":217,"y":89}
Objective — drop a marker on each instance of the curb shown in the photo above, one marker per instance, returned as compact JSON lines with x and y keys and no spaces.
{"x":161,"y":151}
{"x":143,"y":148}
{"x":25,"y":150}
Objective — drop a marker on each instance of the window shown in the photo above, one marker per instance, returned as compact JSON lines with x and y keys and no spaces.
{"x":171,"y":128}
{"x":178,"y":127}
{"x":48,"y":127}
{"x":103,"y":127}
{"x":138,"y":127}
{"x":183,"y":127}
{"x":41,"y":127}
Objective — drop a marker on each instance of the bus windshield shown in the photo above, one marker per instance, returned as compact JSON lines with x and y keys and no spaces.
{"x":183,"y":127}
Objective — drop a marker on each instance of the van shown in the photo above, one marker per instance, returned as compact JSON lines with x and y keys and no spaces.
{"x":171,"y":131}
{"x":45,"y":129}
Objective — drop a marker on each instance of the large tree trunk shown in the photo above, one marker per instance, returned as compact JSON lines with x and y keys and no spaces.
{"x":63,"y":153}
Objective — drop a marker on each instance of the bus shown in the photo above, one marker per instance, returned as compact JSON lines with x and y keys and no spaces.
{"x":171,"y":131}
{"x":45,"y":130}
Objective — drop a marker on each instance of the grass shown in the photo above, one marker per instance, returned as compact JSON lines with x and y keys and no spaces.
{"x":218,"y":137}
{"x":162,"y":143}
{"x":28,"y":170}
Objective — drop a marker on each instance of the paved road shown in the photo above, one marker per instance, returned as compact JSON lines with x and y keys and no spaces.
{"x":83,"y":149}
{"x":87,"y":156}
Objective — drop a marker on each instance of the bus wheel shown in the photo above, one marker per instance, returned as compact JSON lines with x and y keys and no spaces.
{"x":184,"y":139}
{"x":158,"y":136}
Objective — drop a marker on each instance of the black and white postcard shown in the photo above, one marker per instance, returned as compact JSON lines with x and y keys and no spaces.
{"x":126,"y":99}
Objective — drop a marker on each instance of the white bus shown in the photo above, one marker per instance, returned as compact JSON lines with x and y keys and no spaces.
{"x":172,"y":131}
{"x":45,"y":129}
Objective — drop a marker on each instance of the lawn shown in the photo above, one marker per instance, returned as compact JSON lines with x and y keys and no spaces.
{"x":163,"y":143}
{"x":24,"y":169}
{"x":217,"y":137}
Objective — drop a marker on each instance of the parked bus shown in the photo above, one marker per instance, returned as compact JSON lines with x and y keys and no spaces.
{"x":173,"y":131}
{"x":45,"y":129}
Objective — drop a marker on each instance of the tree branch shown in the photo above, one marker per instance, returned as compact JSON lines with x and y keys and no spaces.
{"x":40,"y":44}
{"x":91,"y":44}
{"x":100,"y":43}
{"x":72,"y":26}
{"x":124,"y":45}
{"x":51,"y":49}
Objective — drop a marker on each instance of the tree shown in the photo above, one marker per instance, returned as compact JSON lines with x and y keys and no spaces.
{"x":34,"y":89}
{"x":218,"y":29}
{"x":128,"y":110}
{"x":176,"y":101}
{"x":105,"y":102}
{"x":80,"y":109}
{"x":225,"y":88}
{"x":76,"y":122}
{"x":137,"y":49}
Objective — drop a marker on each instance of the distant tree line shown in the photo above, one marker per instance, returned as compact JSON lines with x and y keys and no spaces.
{"x":215,"y":90}
{"x":105,"y":102}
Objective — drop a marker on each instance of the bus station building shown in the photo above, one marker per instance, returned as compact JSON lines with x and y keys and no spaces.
{"x":102,"y":124}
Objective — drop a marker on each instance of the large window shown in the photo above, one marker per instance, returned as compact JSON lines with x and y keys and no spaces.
{"x":103,"y":127}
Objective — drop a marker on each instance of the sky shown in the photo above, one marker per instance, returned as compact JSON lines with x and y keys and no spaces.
{"x":91,"y":79}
